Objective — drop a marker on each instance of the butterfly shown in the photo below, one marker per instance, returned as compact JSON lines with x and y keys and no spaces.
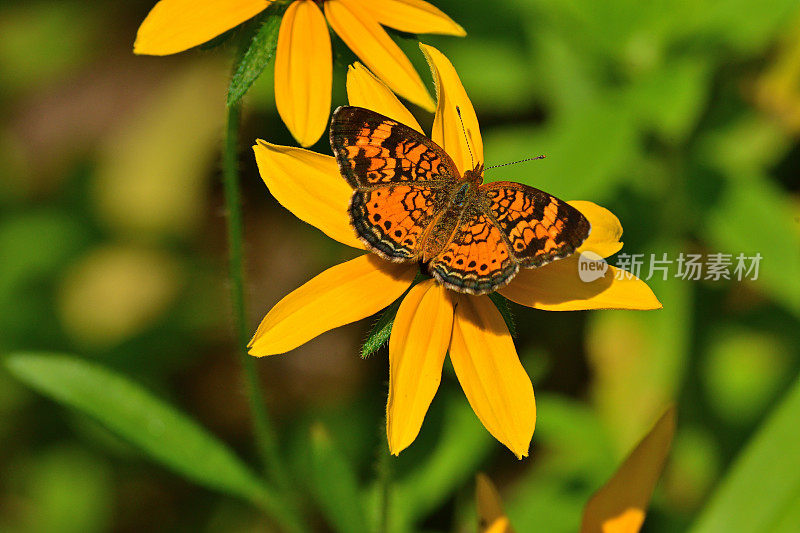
{"x":410,"y":203}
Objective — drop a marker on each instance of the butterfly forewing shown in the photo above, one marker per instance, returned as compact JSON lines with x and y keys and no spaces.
{"x":401,"y":180}
{"x":539,"y":227}
{"x":375,"y":150}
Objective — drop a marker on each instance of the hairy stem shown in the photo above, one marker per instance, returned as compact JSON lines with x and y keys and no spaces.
{"x":262,"y":427}
{"x":384,"y":472}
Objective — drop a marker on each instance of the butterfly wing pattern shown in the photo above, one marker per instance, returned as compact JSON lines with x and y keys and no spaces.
{"x":373,"y":150}
{"x":400,"y":177}
{"x":539,"y":227}
{"x":411,"y":204}
{"x":477,"y":258}
{"x":392,"y":220}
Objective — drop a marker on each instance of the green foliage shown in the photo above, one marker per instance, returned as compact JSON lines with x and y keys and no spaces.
{"x":158,"y":429}
{"x":462,"y":444}
{"x":73,"y":490}
{"x":550,"y":495}
{"x":761,"y":493}
{"x":502,"y":305}
{"x":381,"y":330}
{"x":765,"y":207}
{"x":256,"y":56}
{"x":334,"y":484}
{"x":591,"y":145}
{"x":671,"y":99}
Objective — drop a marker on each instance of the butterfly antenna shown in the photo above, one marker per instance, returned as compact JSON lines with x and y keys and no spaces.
{"x":515,"y":162}
{"x":471,"y":160}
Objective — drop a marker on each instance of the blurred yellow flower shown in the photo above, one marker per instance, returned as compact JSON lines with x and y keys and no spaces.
{"x":619,"y":506}
{"x":431,"y":320}
{"x":303,"y":61}
{"x":777,"y":90}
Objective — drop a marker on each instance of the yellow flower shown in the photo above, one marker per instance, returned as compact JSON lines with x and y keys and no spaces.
{"x":303,"y":61}
{"x":431,"y":320}
{"x":619,"y":506}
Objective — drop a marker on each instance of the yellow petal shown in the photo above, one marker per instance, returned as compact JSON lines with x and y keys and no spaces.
{"x":365,"y":90}
{"x":370,"y":42}
{"x":309,"y":185}
{"x":417,"y":347}
{"x":413,"y":16}
{"x":342,"y":294}
{"x":604,"y":239}
{"x":620,"y":505}
{"x":627,"y":521}
{"x":491,"y":517}
{"x":558,"y":287}
{"x":176,"y":25}
{"x":447,"y":130}
{"x":303,"y":72}
{"x":501,"y":525}
{"x":488,"y":368}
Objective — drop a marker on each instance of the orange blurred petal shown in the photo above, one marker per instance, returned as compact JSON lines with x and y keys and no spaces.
{"x":620,"y":505}
{"x":627,"y":521}
{"x":501,"y":525}
{"x":604,"y":239}
{"x":365,"y":90}
{"x":370,"y":42}
{"x":417,"y":347}
{"x":303,"y":72}
{"x":176,"y":25}
{"x":309,"y":185}
{"x":447,"y":131}
{"x":342,"y":294}
{"x":413,"y":16}
{"x":558,"y":287}
{"x":491,"y":517}
{"x":488,"y":368}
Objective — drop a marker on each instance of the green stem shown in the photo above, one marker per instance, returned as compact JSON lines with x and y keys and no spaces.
{"x":275,"y":507}
{"x":264,"y":433}
{"x":384,"y":484}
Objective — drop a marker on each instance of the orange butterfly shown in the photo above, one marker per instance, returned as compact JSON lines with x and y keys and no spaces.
{"x":410,"y":203}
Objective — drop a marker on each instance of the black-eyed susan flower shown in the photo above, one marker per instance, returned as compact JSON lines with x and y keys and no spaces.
{"x":431,"y":321}
{"x":303,"y":60}
{"x":619,"y":506}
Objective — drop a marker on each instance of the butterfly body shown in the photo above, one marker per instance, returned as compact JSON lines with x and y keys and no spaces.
{"x":410,"y":203}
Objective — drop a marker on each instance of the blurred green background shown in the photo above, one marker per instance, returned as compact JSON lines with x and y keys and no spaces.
{"x":682,"y":117}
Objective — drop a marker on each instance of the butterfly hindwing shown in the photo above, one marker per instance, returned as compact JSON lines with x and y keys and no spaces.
{"x":476,"y":259}
{"x":392,"y":219}
{"x":539,"y":227}
{"x":372,"y":149}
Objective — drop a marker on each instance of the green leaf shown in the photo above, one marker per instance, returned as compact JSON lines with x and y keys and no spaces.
{"x":381,"y":331}
{"x":256,"y":57}
{"x":502,"y":305}
{"x":334,"y":484}
{"x":761,"y":492}
{"x":128,"y":410}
